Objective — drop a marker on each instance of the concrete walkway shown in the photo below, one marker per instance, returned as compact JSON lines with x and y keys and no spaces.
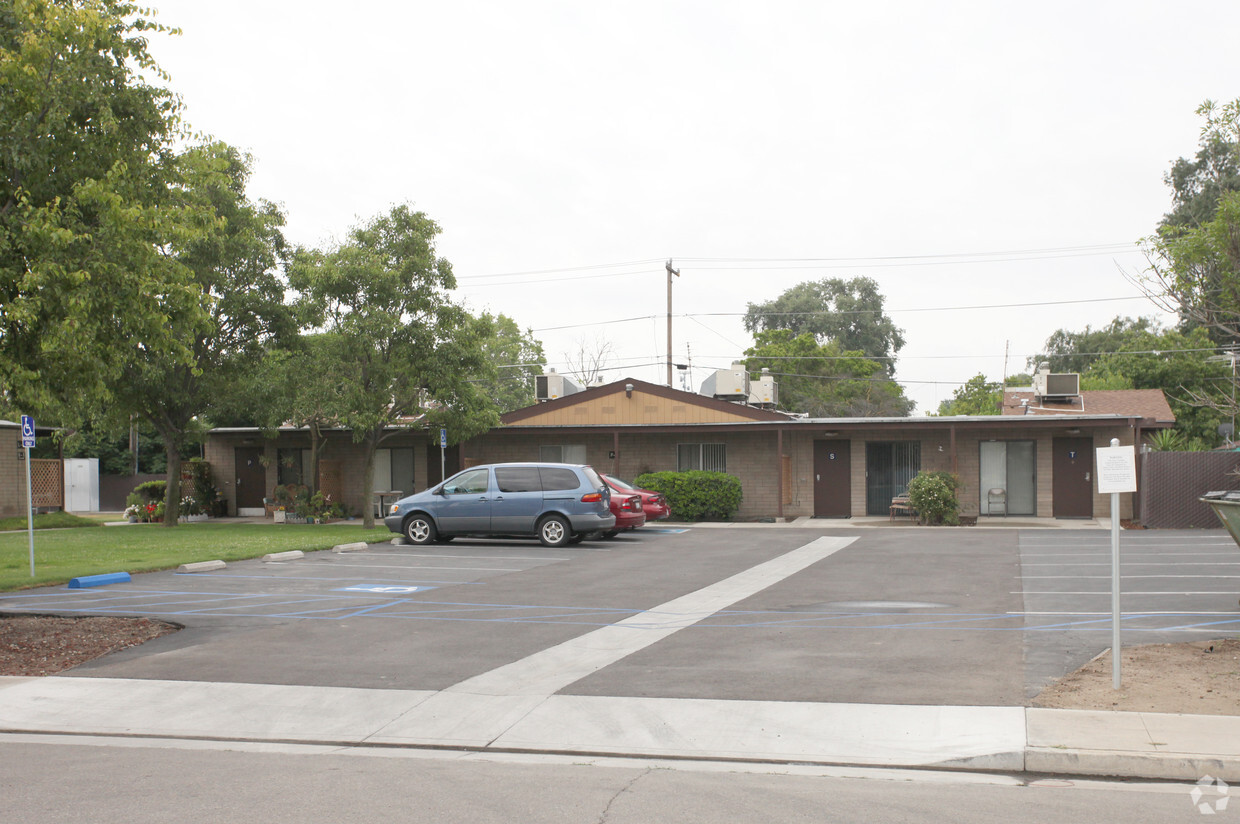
{"x":1005,"y":739}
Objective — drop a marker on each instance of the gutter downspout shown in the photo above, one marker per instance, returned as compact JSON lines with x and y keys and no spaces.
{"x":779,"y":473}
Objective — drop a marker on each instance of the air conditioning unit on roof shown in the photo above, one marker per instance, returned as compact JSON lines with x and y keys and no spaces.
{"x":550,"y":386}
{"x":728,"y":384}
{"x":1047,"y":384}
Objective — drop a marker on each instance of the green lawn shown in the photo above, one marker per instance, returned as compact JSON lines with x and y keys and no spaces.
{"x":60,"y":555}
{"x":52,"y":520}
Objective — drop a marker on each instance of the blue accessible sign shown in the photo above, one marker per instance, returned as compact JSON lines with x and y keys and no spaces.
{"x":27,"y":432}
{"x":384,"y":589}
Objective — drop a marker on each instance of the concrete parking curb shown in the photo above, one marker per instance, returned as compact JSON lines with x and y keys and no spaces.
{"x":285,"y":556}
{"x":356,"y":546}
{"x":202,"y":566}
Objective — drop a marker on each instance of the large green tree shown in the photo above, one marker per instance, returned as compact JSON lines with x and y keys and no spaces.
{"x":846,"y":312}
{"x":233,"y":253}
{"x":518,"y":358}
{"x":1068,"y":351}
{"x":86,"y":213}
{"x":824,"y":381}
{"x":414,"y":358}
{"x":1128,"y":354}
{"x":978,"y":396}
{"x":1194,"y":259}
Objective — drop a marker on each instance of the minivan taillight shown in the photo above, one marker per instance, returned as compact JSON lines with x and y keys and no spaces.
{"x":591,"y":497}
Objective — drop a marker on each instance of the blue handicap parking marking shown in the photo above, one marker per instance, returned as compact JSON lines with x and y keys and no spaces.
{"x":384,"y":589}
{"x":664,"y":530}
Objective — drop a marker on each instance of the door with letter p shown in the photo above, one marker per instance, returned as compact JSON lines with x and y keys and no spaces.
{"x":832,"y":479}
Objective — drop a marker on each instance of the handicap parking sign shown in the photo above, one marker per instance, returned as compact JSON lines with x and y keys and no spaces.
{"x":27,"y":432}
{"x":385,"y":589}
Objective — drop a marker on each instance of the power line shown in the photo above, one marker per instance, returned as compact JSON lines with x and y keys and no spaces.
{"x":692,"y":315}
{"x":861,"y":262}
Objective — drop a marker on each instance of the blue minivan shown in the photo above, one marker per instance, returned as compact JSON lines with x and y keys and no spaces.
{"x":558,"y":503}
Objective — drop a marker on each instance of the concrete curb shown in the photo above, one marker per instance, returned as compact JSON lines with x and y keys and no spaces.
{"x":285,"y":556}
{"x":356,"y":546}
{"x":202,"y":566}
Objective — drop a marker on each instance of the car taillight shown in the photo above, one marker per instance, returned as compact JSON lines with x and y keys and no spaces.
{"x":591,"y":497}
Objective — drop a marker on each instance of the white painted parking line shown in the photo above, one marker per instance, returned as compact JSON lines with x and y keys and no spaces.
{"x":1126,"y":593}
{"x":503,"y":557}
{"x":552,"y":669}
{"x":1108,"y":577}
{"x":418,"y":566}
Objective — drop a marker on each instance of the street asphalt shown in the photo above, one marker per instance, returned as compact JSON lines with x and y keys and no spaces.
{"x":816,"y":641}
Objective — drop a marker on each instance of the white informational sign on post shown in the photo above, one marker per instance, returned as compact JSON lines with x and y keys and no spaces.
{"x":1117,"y":473}
{"x":1117,"y":469}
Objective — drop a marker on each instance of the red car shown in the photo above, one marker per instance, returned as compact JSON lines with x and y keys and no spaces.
{"x":654,"y":505}
{"x":628,"y":512}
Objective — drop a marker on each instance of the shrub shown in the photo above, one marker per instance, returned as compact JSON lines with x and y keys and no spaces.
{"x":933,"y":495}
{"x":696,"y":495}
{"x":152,"y":490}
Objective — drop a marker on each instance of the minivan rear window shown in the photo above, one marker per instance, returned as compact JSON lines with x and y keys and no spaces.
{"x":555,"y":478}
{"x":518,"y":479}
{"x":592,"y":477}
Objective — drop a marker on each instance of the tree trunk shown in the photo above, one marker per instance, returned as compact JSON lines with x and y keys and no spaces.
{"x":368,"y":479}
{"x":172,"y":492}
{"x":316,"y":444}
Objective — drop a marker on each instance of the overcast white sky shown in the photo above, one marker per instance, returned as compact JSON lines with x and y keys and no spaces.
{"x":932,"y":146}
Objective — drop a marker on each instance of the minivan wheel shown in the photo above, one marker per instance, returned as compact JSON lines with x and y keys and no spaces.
{"x":554,"y":531}
{"x":419,"y":529}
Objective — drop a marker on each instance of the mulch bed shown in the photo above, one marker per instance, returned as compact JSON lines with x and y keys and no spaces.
{"x":47,"y":644}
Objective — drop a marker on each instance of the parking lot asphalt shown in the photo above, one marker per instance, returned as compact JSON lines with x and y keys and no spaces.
{"x":946,"y":617}
{"x":840,"y":645}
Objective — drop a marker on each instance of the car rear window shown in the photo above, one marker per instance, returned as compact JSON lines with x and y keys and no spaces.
{"x":592,"y":477}
{"x":518,"y":479}
{"x":555,"y":478}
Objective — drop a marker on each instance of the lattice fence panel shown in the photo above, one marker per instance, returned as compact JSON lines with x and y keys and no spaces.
{"x":47,"y":482}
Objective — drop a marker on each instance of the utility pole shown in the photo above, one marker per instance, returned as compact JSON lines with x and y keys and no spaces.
{"x":670,"y":272}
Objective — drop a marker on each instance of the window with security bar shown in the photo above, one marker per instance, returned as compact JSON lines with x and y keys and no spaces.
{"x":711,"y":457}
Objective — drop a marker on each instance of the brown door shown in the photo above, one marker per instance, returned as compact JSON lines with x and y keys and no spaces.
{"x":832,"y":479}
{"x":1072,"y":471}
{"x":251,"y":477}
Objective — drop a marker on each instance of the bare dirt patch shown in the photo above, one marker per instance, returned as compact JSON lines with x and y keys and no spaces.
{"x":1198,"y":678}
{"x":46,"y":645}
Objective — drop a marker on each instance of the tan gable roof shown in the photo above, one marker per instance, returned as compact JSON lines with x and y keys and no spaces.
{"x":1150,"y":404}
{"x":648,"y":403}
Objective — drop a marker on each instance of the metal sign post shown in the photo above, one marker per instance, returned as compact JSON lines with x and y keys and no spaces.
{"x":443,"y":454}
{"x":27,"y":443}
{"x":1117,"y":473}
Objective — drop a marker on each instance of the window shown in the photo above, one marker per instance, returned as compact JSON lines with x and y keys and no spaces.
{"x":394,"y":470}
{"x":553,"y":478}
{"x":569,"y":453}
{"x":293,"y":466}
{"x":517,"y":479}
{"x":711,"y":457}
{"x":470,"y":482}
{"x":889,"y":466}
{"x":1007,"y":478}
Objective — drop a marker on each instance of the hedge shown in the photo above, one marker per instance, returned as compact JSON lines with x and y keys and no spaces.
{"x":697,"y":495}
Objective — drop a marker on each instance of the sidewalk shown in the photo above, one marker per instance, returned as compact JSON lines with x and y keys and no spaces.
{"x":1003,"y":739}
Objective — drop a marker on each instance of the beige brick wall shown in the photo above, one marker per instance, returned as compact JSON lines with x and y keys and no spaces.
{"x":221,"y":453}
{"x":12,"y":473}
{"x":751,"y":456}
